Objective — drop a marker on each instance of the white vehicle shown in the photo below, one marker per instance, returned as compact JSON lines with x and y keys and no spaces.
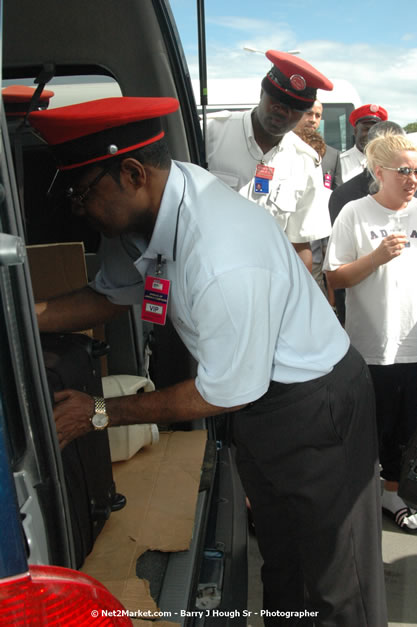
{"x":68,"y":93}
{"x":240,"y":94}
{"x":233,"y":94}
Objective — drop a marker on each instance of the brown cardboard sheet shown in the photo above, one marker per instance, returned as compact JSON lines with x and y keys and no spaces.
{"x":161,"y":485}
{"x":56,"y":269}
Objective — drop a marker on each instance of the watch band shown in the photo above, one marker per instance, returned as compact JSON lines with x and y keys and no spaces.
{"x":99,"y":419}
{"x":99,"y":405}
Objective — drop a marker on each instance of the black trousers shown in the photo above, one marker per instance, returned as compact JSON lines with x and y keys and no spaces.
{"x":307,"y":456}
{"x":396,"y":412}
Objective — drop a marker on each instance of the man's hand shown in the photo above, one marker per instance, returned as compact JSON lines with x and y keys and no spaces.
{"x":178,"y":403}
{"x":72,"y":413}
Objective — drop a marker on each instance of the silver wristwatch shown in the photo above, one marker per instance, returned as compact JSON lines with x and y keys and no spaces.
{"x":100,"y":419}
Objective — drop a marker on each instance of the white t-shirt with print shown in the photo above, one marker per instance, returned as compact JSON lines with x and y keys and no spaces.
{"x":381,"y":311}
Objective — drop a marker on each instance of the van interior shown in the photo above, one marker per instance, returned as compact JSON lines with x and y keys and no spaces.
{"x":87,"y":50}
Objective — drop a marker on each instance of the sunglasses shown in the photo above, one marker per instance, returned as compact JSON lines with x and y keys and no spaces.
{"x":402,"y":170}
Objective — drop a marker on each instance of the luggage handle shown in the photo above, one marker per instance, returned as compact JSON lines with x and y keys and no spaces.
{"x":99,"y":348}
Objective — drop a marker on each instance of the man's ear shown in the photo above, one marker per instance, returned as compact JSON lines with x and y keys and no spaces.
{"x":132,"y":171}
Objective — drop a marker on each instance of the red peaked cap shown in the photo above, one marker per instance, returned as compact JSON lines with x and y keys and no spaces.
{"x":89,"y":132}
{"x":368,"y":112}
{"x":293,"y":81}
{"x":16,"y":99}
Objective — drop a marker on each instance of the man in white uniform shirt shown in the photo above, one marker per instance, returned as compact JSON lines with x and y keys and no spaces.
{"x":362,"y":119}
{"x":240,"y":144}
{"x":268,"y":348}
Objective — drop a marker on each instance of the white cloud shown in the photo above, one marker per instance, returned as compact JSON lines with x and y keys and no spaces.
{"x":238,"y":23}
{"x":381,"y":74}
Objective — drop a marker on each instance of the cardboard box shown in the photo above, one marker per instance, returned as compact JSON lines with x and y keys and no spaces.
{"x":57,"y":269}
{"x":161,"y":484}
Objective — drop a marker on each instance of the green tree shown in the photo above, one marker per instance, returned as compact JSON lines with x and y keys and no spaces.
{"x":411,"y":127}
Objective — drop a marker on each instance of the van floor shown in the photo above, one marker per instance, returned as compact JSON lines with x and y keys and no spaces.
{"x":399,"y":551}
{"x":161,"y":485}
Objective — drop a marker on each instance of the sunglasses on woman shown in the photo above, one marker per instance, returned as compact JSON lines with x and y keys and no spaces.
{"x":402,"y":170}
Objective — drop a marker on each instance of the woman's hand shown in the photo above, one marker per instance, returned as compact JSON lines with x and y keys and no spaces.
{"x":351,"y":274}
{"x":390,"y":247}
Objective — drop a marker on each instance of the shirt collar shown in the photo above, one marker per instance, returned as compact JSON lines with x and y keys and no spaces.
{"x":248,"y":126}
{"x":163,"y":240}
{"x":286,"y":139}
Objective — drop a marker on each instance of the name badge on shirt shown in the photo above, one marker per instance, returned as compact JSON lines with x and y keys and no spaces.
{"x":155,"y":301}
{"x":263,"y":175}
{"x":328,"y":180}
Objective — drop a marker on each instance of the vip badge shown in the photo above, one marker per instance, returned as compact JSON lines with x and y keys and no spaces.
{"x":155,"y":302}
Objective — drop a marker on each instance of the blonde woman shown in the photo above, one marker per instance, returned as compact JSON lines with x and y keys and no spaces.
{"x":372,"y":253}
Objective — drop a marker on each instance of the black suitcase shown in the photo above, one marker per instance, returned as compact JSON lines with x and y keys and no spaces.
{"x":72,"y":361}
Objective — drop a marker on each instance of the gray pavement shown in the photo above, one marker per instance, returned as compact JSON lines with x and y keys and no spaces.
{"x":400,"y":562}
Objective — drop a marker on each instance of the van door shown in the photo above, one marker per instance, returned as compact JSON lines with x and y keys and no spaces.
{"x":30,"y":431}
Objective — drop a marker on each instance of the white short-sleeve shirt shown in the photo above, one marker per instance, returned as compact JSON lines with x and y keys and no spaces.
{"x":352,"y":162}
{"x":381,"y":311}
{"x":296,"y":196}
{"x":241,"y":300}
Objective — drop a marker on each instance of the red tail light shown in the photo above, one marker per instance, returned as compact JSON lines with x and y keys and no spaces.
{"x":51,"y":595}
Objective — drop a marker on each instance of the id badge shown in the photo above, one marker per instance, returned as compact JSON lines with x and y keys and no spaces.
{"x":155,"y":301}
{"x":261,"y":186}
{"x":264,"y":171}
{"x":263,"y":175}
{"x":328,"y":180}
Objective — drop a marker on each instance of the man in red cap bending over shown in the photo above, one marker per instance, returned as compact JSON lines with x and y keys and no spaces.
{"x":258,"y":155}
{"x":268,"y":348}
{"x":362,"y":118}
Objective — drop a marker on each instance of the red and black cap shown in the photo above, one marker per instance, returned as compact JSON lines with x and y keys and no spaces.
{"x":293,"y":81}
{"x":94,"y":131}
{"x":17,"y":98}
{"x":372,"y":112}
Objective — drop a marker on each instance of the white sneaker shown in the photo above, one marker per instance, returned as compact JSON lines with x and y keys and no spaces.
{"x":410,"y":521}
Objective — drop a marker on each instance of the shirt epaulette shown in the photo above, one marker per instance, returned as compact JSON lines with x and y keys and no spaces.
{"x":220,"y":115}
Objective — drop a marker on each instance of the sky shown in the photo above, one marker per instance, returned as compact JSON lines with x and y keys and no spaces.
{"x":372,"y":44}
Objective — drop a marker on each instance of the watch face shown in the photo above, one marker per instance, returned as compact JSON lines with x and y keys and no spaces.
{"x":100,"y":421}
